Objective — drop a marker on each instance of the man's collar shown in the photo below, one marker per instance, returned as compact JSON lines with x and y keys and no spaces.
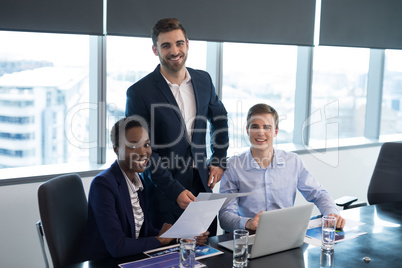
{"x":251,"y":163}
{"x":187,"y":77}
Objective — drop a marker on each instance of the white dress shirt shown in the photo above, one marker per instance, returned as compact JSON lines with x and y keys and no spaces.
{"x":184,"y":95}
{"x":134,"y":186}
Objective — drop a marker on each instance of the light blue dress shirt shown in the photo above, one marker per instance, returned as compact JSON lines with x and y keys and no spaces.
{"x":273,"y":188}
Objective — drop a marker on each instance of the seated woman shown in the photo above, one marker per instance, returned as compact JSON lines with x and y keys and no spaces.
{"x":118,"y":224}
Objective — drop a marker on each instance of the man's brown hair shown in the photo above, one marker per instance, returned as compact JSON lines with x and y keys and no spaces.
{"x":164,"y":26}
{"x":262,"y":108}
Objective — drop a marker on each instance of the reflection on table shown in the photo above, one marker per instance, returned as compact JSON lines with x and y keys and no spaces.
{"x":382,"y":244}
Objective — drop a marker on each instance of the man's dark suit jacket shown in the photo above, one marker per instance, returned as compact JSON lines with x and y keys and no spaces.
{"x":111,"y":228}
{"x":170,"y":171}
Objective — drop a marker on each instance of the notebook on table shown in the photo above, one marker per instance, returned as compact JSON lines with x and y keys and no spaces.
{"x":278,"y":230}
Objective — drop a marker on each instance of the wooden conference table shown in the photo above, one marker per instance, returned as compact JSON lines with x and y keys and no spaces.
{"x":382,"y":244}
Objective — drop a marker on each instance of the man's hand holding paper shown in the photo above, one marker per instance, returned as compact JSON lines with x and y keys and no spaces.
{"x":199,"y":215}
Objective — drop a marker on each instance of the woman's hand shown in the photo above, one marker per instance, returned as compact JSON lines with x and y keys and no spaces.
{"x":164,"y":241}
{"x":202,"y":238}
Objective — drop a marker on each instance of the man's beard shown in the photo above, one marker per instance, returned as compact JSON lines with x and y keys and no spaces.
{"x":174,"y":66}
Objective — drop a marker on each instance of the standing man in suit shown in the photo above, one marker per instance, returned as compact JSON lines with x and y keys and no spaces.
{"x":176,"y":102}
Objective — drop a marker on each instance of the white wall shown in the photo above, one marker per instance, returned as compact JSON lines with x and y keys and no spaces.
{"x":19,"y":244}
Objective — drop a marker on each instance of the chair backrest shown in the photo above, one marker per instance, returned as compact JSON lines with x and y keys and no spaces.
{"x":63,"y":208}
{"x":386,"y":182}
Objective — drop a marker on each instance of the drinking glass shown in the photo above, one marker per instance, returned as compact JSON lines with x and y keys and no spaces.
{"x":240,"y":248}
{"x":328,"y":232}
{"x":187,"y":253}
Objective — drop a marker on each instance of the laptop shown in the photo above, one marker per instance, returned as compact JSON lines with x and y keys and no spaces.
{"x":278,"y":230}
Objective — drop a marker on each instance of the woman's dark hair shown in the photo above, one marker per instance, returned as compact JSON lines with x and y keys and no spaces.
{"x":126,"y":124}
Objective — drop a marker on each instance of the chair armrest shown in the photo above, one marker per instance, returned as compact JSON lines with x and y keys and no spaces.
{"x":356,"y":205}
{"x":345,"y":201}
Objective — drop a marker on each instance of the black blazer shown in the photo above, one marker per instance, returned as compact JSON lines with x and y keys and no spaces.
{"x":172,"y":153}
{"x":111,"y":228}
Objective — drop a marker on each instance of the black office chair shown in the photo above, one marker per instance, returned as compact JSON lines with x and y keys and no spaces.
{"x":386,"y":182}
{"x":63,"y":211}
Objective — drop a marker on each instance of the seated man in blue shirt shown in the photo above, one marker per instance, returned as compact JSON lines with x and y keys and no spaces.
{"x":272,"y":175}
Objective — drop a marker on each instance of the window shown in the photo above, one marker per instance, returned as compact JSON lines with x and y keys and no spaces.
{"x":391,"y":114}
{"x":338,"y":92}
{"x":45,"y":92}
{"x":255,"y":73}
{"x":47,"y":76}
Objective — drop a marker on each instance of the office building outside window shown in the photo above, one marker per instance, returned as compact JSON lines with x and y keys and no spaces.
{"x":42,"y":76}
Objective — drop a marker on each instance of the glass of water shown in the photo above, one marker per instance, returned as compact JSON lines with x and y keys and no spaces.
{"x":328,"y":224}
{"x":187,"y":252}
{"x":240,"y":248}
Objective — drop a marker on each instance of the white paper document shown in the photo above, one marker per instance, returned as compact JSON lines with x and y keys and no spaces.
{"x":213,"y":196}
{"x":195,"y":220}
